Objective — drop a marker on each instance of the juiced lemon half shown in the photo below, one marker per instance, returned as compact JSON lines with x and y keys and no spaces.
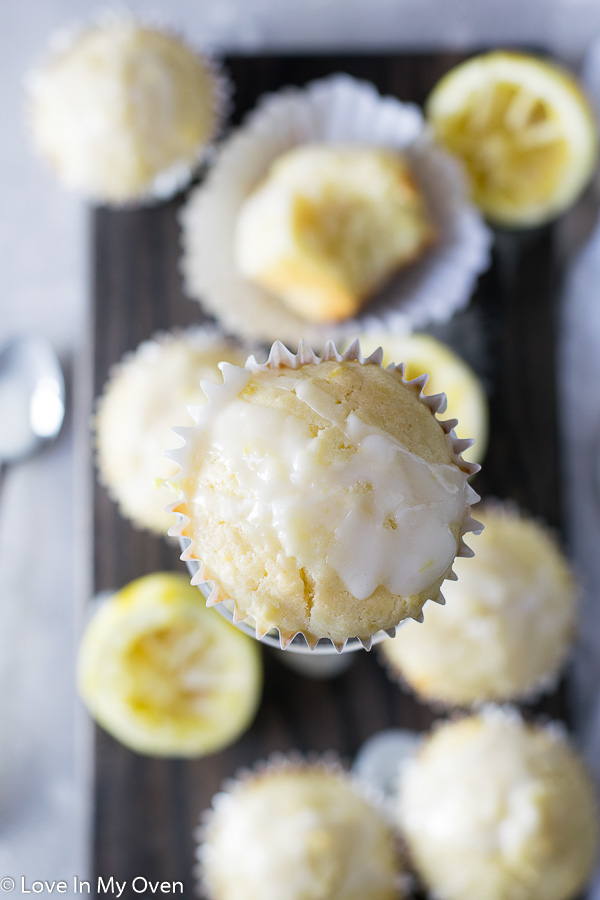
{"x":448,"y":373}
{"x":524,"y":131}
{"x":165,"y":675}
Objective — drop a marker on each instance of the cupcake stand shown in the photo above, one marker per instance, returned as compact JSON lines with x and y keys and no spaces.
{"x":145,"y":809}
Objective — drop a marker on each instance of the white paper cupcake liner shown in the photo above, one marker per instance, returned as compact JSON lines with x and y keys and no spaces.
{"x":172,"y":180}
{"x":544,"y":684}
{"x":280,"y":357}
{"x":201,"y":337}
{"x":289,"y":762}
{"x":336,"y":110}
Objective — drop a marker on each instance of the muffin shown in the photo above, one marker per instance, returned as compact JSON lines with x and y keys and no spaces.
{"x":507,"y":624}
{"x":163,"y":674}
{"x":300,"y":831}
{"x":446,"y":371}
{"x":322,"y":495}
{"x":124,"y":111}
{"x":328,"y":120}
{"x":329,"y":225}
{"x":495,"y":808}
{"x":146,"y":395}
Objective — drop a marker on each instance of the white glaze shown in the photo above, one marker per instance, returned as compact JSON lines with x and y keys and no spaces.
{"x":283,"y":484}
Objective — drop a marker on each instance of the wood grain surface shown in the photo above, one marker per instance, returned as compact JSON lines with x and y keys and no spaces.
{"x":146,"y":809}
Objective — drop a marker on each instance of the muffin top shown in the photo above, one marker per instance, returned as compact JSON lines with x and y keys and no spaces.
{"x":303,"y":833}
{"x":507,"y":623}
{"x":119,"y":106}
{"x":329,"y":224}
{"x":494,"y":807}
{"x":325,"y":499}
{"x":146,"y":396}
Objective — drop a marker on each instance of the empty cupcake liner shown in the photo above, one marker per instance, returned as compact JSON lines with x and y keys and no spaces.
{"x":200,"y":337}
{"x":290,"y":762}
{"x":281,"y":357}
{"x":342,"y":111}
{"x":170,"y":181}
{"x":544,"y":684}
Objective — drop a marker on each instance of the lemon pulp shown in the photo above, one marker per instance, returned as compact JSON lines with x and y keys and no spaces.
{"x":165,"y":675}
{"x":522,"y":128}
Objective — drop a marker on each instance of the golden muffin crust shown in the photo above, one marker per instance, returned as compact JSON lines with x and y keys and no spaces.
{"x":448,"y":372}
{"x":330,"y":225}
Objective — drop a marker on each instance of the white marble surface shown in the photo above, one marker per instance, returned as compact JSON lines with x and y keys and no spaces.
{"x":44,"y":792}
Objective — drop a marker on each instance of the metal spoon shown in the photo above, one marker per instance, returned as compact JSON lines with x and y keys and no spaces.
{"x":32,"y":397}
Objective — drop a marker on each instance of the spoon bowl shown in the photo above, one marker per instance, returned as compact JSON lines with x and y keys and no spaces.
{"x":32,"y":396}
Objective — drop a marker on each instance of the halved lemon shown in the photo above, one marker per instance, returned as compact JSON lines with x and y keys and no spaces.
{"x":524,"y":131}
{"x":448,"y":373}
{"x":165,"y":675}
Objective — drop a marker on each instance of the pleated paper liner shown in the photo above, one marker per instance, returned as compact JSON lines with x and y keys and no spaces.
{"x":299,"y":641}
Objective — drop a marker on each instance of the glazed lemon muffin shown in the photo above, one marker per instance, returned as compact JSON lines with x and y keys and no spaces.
{"x":300,"y":831}
{"x":495,"y":808}
{"x":146,"y":395}
{"x":322,"y":495}
{"x":507,"y":624}
{"x":446,"y":371}
{"x":163,"y":674}
{"x":123,"y":111}
{"x":329,"y":225}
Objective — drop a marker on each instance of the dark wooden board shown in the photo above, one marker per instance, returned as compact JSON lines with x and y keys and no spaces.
{"x":145,"y":810}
